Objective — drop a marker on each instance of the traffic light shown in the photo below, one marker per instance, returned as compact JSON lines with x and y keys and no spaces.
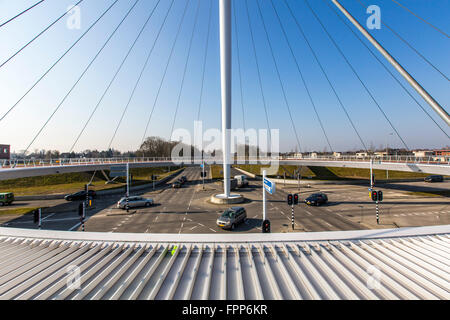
{"x":290,"y":199}
{"x":80,"y":209}
{"x":374,"y":195}
{"x":296,"y":198}
{"x":380,"y":195}
{"x":266,"y":226}
{"x":36,"y":216}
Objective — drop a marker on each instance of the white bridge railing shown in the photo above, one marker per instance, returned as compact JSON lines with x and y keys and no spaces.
{"x":25,"y":163}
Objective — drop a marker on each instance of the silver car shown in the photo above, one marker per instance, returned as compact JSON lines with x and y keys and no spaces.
{"x":134,"y":202}
{"x":232,"y":217}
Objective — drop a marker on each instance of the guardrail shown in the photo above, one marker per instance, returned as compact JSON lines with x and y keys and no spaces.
{"x":25,"y":163}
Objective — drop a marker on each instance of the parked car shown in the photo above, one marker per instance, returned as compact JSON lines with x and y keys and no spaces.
{"x":316,"y":199}
{"x":176,"y":184}
{"x":434,"y":179}
{"x":6,"y":198}
{"x":241,"y":181}
{"x":134,"y":202}
{"x":80,"y":195}
{"x":232,"y":217}
{"x":183,"y":179}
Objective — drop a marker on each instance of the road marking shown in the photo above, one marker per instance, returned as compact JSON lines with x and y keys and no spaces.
{"x":193,"y":227}
{"x":308,"y":212}
{"x":212,"y":230}
{"x":50,"y":215}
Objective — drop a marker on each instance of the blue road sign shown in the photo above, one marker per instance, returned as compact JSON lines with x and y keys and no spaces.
{"x":269,"y":186}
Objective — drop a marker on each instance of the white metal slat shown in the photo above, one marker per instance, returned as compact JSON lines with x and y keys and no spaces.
{"x":240,"y":284}
{"x":47,"y":293}
{"x":432,"y":251}
{"x":388,"y":269}
{"x":126,"y":282}
{"x":27,"y":280}
{"x":188,"y":293}
{"x":206,"y":289}
{"x":440,"y":249}
{"x":301,"y":276}
{"x":254,"y":273}
{"x":354,"y":271}
{"x":435,"y":241}
{"x":87,"y":274}
{"x":428,"y":271}
{"x":52,"y":274}
{"x":392,"y":284}
{"x":113,"y":280}
{"x":148,"y":274}
{"x":430,"y":264}
{"x":15,"y":253}
{"x":179,"y":274}
{"x":439,"y":261}
{"x":325,"y":287}
{"x":164,"y":274}
{"x":276,"y":292}
{"x":410,"y":274}
{"x":14,"y":274}
{"x":295,"y":293}
{"x":340,"y":285}
{"x":94,"y":282}
{"x":223,"y":278}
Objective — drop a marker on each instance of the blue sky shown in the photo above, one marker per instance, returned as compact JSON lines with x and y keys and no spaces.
{"x":20,"y":126}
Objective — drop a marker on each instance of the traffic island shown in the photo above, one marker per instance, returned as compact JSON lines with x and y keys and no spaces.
{"x":222,"y":199}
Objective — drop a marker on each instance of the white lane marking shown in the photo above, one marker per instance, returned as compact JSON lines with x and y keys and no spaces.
{"x":212,"y":230}
{"x":255,"y":216}
{"x":193,"y":227}
{"x":308,"y":212}
{"x":50,"y":215}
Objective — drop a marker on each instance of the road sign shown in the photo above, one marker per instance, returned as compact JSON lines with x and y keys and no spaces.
{"x":118,"y":171}
{"x":269,"y":186}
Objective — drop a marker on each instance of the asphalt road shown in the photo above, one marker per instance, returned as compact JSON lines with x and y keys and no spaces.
{"x":187,"y":210}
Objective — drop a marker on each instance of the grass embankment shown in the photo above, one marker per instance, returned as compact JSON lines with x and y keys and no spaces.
{"x":16,"y":211}
{"x":433,"y":193}
{"x":73,"y":182}
{"x":334,"y":173}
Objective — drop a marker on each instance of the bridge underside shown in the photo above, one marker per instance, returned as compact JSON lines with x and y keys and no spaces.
{"x":33,"y":171}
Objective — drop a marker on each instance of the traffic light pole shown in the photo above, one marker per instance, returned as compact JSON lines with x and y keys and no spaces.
{"x":40,"y":218}
{"x":264,"y":196}
{"x":292,"y":220}
{"x":378,"y":219}
{"x":83,"y":216}
{"x":128,"y":187}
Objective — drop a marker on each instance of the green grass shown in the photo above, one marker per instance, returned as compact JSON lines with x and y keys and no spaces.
{"x":16,"y":211}
{"x":73,"y":182}
{"x":436,"y":193}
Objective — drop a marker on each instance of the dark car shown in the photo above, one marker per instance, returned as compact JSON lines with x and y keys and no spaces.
{"x":434,"y":179}
{"x":176,"y":184}
{"x":80,"y":195}
{"x":316,"y":199}
{"x":183,"y":179}
{"x":232,"y":217}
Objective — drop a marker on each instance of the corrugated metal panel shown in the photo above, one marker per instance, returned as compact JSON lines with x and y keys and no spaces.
{"x":410,"y":266}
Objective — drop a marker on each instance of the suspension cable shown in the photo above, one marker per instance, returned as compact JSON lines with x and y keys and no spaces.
{"x":355,"y":73}
{"x":54,"y":64}
{"x":236,"y":34}
{"x":18,"y":15}
{"x":80,"y":77}
{"x":409,"y":45}
{"x":417,"y":16}
{"x":386,"y":68}
{"x":165,"y":71}
{"x":185,"y":68}
{"x":204,"y":61}
{"x":298,"y":69}
{"x":39,"y":34}
{"x":299,"y":27}
{"x":121,"y":65}
{"x":257,"y":66}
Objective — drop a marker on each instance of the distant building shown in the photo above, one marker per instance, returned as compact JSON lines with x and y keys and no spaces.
{"x":337,"y":154}
{"x":313,"y":155}
{"x":5,"y":153}
{"x":443,"y":152}
{"x":423,"y":153}
{"x":361,"y":154}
